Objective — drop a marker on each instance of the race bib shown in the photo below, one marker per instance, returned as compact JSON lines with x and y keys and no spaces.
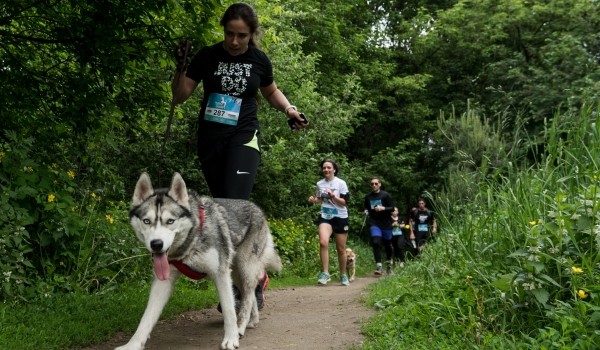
{"x":223,"y":109}
{"x":328,"y":213}
{"x":396,"y":231}
{"x":423,"y":228}
{"x":375,"y":203}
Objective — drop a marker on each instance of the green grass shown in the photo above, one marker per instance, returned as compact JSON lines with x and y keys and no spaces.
{"x":64,"y":321}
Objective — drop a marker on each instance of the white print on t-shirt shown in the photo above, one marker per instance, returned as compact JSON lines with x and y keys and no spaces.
{"x":233,"y":77}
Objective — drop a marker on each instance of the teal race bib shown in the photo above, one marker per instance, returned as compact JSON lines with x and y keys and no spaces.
{"x":423,"y":228}
{"x":396,"y":231}
{"x":375,"y":203}
{"x":223,"y":109}
{"x":328,"y":213}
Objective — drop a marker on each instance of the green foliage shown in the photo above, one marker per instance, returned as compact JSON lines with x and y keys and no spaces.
{"x":54,"y":236}
{"x":86,"y":100}
{"x":297,"y":245}
{"x":290,"y":160}
{"x":517,"y":264}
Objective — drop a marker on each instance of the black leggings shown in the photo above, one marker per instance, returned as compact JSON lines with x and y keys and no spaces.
{"x":231,"y":173}
{"x":400,"y":248}
{"x":377,"y":242}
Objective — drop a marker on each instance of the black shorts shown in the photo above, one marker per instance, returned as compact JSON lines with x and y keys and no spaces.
{"x":421,"y":237}
{"x":339,"y":225}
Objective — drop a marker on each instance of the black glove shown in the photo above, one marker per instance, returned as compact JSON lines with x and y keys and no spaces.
{"x":182,"y":54}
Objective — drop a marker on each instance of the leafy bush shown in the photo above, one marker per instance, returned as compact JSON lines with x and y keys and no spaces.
{"x":54,"y":235}
{"x":298,"y":246}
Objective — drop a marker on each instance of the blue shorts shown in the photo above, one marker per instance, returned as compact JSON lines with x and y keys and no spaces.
{"x":378,"y":232}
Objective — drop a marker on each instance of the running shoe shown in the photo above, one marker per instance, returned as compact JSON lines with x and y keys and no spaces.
{"x":388,"y":267}
{"x":379,"y":271}
{"x":324,"y":278}
{"x":344,"y":280}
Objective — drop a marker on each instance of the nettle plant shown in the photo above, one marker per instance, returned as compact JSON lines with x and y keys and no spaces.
{"x":560,"y":260}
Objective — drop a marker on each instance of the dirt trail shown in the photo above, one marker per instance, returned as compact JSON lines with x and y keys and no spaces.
{"x":314,"y":317}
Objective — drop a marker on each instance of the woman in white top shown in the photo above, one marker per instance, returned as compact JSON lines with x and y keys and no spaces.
{"x":332,"y":193}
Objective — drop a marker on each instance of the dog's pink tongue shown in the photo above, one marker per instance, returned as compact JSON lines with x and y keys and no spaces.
{"x":161,"y":266}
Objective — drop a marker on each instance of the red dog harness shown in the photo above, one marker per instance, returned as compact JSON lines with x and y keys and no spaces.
{"x":183,"y":268}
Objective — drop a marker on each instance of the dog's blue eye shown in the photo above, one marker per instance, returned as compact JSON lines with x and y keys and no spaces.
{"x":146,"y":221}
{"x":170,"y":221}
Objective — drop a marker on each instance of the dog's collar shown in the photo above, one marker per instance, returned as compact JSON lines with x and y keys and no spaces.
{"x":186,"y":270}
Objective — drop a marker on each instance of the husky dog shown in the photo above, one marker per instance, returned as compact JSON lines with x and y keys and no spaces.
{"x":226,"y":239}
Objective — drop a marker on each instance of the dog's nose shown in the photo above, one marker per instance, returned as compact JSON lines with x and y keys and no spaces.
{"x":156,"y":245}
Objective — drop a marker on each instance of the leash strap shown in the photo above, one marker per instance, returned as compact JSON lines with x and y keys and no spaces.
{"x":188,"y":45}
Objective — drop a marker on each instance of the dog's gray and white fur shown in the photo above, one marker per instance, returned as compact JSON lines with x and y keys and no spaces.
{"x":231,"y":244}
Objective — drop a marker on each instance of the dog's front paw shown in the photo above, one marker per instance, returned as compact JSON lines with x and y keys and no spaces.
{"x":230,"y":343}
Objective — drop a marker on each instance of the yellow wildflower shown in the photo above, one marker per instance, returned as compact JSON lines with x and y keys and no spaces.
{"x":582,"y":294}
{"x":469,"y":278}
{"x":576,"y":269}
{"x":532,"y":223}
{"x":54,"y":166}
{"x":71,"y":174}
{"x":51,"y":198}
{"x":93,"y":195}
{"x":110,"y":219}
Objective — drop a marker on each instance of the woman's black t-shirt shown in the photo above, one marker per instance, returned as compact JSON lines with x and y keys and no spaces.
{"x":231,"y":85}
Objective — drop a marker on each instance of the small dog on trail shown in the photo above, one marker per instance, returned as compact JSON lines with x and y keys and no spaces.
{"x":351,"y":263}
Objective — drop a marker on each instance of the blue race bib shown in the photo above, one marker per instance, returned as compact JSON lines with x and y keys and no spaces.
{"x":328,"y":213}
{"x":223,"y":109}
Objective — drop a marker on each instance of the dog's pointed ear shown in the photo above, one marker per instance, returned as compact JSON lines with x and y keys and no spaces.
{"x":143,"y":189}
{"x":178,"y":190}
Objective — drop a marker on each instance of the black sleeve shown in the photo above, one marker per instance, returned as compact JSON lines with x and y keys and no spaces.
{"x":195,"y":70}
{"x":389,"y":205}
{"x":346,"y":197}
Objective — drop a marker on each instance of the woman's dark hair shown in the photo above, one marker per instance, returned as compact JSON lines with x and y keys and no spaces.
{"x":247,"y":14}
{"x":335,"y":166}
